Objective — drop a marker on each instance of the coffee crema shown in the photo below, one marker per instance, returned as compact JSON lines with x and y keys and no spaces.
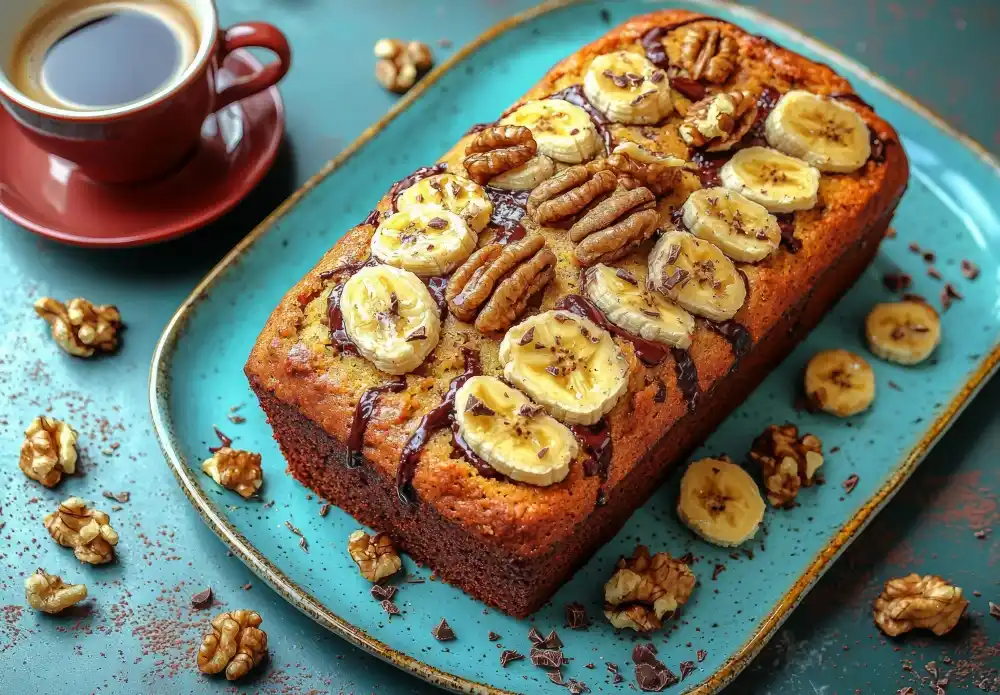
{"x":91,"y":55}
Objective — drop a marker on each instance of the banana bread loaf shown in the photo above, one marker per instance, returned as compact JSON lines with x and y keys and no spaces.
{"x":504,"y":360}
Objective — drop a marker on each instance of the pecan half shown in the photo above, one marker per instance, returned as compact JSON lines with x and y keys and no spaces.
{"x":569,"y":192}
{"x":658,"y":177}
{"x":493,"y":287}
{"x":719,"y":121}
{"x":615,"y":226}
{"x":497,"y":149}
{"x":706,"y":53}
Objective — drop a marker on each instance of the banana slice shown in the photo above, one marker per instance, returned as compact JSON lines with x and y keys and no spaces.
{"x":903,"y":332}
{"x":626,"y":302}
{"x":425,"y":239}
{"x":566,"y":363}
{"x":562,"y":131}
{"x":778,"y":182}
{"x":840,"y":382}
{"x":627,"y":88}
{"x":720,"y":502}
{"x":821,"y":131}
{"x":697,"y":275}
{"x":455,"y":193}
{"x":525,"y":177}
{"x":638,"y":153}
{"x":390,"y":317}
{"x":744,"y":230}
{"x":512,"y":434}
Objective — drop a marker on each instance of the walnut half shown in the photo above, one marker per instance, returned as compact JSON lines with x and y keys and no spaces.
{"x":80,"y":327}
{"x":913,"y":601}
{"x":719,"y":121}
{"x":494,"y":285}
{"x":48,"y":593}
{"x":375,"y":556}
{"x":236,"y":470}
{"x":87,"y":531}
{"x":638,"y":167}
{"x":644,"y":590}
{"x":236,"y":644}
{"x":48,"y":451}
{"x":787,"y":462}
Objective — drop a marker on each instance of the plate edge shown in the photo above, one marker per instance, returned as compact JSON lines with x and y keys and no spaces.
{"x":306,"y":603}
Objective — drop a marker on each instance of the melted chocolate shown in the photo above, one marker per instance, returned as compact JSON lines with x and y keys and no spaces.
{"x":465,"y":451}
{"x":736,"y":333}
{"x":508,"y":210}
{"x":596,"y":441}
{"x":687,"y":377}
{"x":335,"y":320}
{"x":692,"y":89}
{"x":373,"y":218}
{"x":436,"y":419}
{"x":765,"y":105}
{"x":652,"y":42}
{"x":574,"y":95}
{"x":437,"y":286}
{"x":851,"y":96}
{"x":786,"y":223}
{"x":407,"y":181}
{"x":709,"y":165}
{"x":878,"y":147}
{"x":349,"y":268}
{"x":649,"y":352}
{"x":363,"y":412}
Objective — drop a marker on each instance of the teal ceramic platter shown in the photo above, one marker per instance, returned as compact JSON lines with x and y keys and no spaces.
{"x":951,"y":208}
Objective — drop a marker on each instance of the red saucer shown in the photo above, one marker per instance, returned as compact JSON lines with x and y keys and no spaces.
{"x":50,"y":196}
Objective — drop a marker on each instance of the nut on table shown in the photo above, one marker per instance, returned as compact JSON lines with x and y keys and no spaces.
{"x":236,"y":470}
{"x":375,"y":556}
{"x":235,"y":645}
{"x":50,"y":594}
{"x":80,"y":327}
{"x":644,"y":590}
{"x":913,"y":601}
{"x":87,"y":531}
{"x":48,"y":451}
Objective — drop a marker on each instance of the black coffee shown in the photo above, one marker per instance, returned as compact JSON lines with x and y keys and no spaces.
{"x":111,"y":60}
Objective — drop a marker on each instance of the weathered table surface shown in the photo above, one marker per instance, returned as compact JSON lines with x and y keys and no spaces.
{"x":137,"y":634}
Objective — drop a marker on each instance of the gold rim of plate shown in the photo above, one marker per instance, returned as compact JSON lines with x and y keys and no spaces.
{"x":159,"y":384}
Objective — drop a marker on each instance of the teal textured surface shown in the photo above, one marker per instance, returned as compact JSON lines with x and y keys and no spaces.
{"x":138,"y":633}
{"x":202,"y":379}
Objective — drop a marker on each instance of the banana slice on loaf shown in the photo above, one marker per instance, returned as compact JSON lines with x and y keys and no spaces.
{"x":744,"y":230}
{"x":562,"y":131}
{"x":458,"y":194}
{"x":778,"y":182}
{"x":627,"y":88}
{"x":425,"y":239}
{"x":820,"y":131}
{"x":697,"y":275}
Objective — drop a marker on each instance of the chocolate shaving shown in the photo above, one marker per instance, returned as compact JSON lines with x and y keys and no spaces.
{"x":628,"y":277}
{"x":948,"y":293}
{"x":678,"y":277}
{"x":928,"y":256}
{"x":223,"y":439}
{"x":121,"y":497}
{"x":203,"y":599}
{"x":474,"y":406}
{"x":530,"y":410}
{"x":528,"y":336}
{"x":552,"y":641}
{"x":493,"y":636}
{"x":443,"y":632}
{"x":576,"y":617}
{"x":651,"y":675}
{"x":934,"y":273}
{"x":437,"y":223}
{"x":851,"y":483}
{"x":700,"y":656}
{"x":556,"y":677}
{"x":535,"y":636}
{"x":419,"y":334}
{"x":687,"y":668}
{"x":576,"y":687}
{"x":969,"y":269}
{"x":325,"y":509}
{"x":719,"y":569}
{"x":509,"y":655}
{"x":549,"y":658}
{"x":383,"y":593}
{"x":541,"y":452}
{"x":672,"y":253}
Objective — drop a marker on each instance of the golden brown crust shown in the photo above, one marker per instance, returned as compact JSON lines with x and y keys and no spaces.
{"x":294,"y":362}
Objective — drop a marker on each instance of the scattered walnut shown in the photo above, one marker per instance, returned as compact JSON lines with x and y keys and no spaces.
{"x":79,"y":327}
{"x":497,"y":281}
{"x":914,"y":601}
{"x":400,"y":64}
{"x":614,"y":227}
{"x":375,"y":556}
{"x":569,"y":192}
{"x":87,"y":531}
{"x":235,"y":469}
{"x":643,"y":590}
{"x":638,"y":167}
{"x":48,"y":593}
{"x":706,"y":53}
{"x":498,"y":149}
{"x":718,"y":122}
{"x":236,"y":644}
{"x":787,"y":462}
{"x":48,"y":451}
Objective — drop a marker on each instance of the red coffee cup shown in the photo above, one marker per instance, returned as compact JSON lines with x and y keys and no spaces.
{"x":147,"y":138}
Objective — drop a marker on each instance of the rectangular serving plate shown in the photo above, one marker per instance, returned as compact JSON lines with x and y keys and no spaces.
{"x":196,"y":376}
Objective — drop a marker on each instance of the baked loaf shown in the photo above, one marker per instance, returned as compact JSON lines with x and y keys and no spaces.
{"x":673,"y":304}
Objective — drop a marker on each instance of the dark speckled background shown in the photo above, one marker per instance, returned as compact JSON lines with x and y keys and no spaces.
{"x":138,"y":634}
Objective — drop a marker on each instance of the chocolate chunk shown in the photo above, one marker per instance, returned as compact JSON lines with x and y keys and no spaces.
{"x":437,"y":223}
{"x":390,"y":607}
{"x":474,"y":406}
{"x":851,"y":482}
{"x":576,"y":617}
{"x":651,"y":679}
{"x":530,"y":410}
{"x":969,"y":269}
{"x":552,"y":641}
{"x":419,"y":334}
{"x":700,"y":656}
{"x":553,"y":370}
{"x":541,"y":452}
{"x":535,"y":636}
{"x":644,"y":653}
{"x":528,"y":336}
{"x":692,"y":89}
{"x":628,"y":277}
{"x":550,"y":658}
{"x":687,"y":668}
{"x":493,"y":636}
{"x":672,"y":253}
{"x":203,"y":599}
{"x":509,"y":655}
{"x":383,"y":593}
{"x":678,"y":277}
{"x":443,"y":632}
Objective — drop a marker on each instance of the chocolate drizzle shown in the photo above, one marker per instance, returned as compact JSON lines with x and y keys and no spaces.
{"x":363,"y":412}
{"x":736,"y":333}
{"x":649,"y":352}
{"x":437,"y":286}
{"x":335,"y":320}
{"x":786,"y":223}
{"x":508,"y":210}
{"x":766,"y":102}
{"x":407,"y":181}
{"x":465,"y":451}
{"x":437,"y":418}
{"x":687,"y":377}
{"x":652,"y":42}
{"x":574,"y":95}
{"x":596,"y":441}
{"x":709,"y":165}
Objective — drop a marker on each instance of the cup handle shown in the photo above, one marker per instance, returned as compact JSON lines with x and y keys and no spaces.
{"x":253,"y":34}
